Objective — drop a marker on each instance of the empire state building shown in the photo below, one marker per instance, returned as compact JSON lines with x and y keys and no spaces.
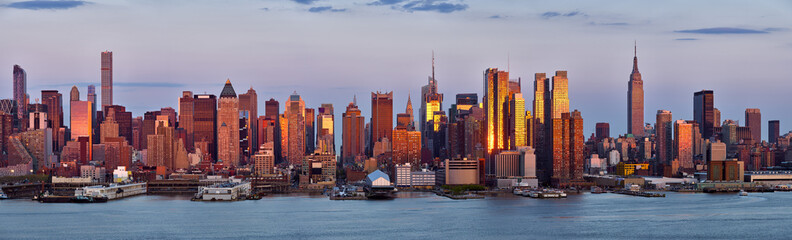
{"x":635,"y":100}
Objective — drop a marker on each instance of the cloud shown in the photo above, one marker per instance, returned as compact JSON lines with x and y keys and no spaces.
{"x":440,"y":6}
{"x":306,"y":2}
{"x":434,"y":6}
{"x":497,"y":17}
{"x":46,"y":5}
{"x":723,"y":30}
{"x":611,"y":24}
{"x":686,"y":39}
{"x":551,"y":14}
{"x":326,"y":9}
{"x":264,"y":9}
{"x":385,"y":2}
{"x":776,"y":29}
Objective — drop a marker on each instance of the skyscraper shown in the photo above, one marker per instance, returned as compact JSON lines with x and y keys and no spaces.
{"x":704,"y":113}
{"x":540,"y":117}
{"x":249,"y":102}
{"x":20,"y":91}
{"x":753,"y":120}
{"x":325,"y":125}
{"x":431,"y":101}
{"x":205,"y":123}
{"x":310,"y":131}
{"x":186,"y":118}
{"x":567,"y":148}
{"x":295,"y":129}
{"x":74,"y":94}
{"x":496,"y":90}
{"x":91,"y":97}
{"x":663,"y":137}
{"x":81,"y":121}
{"x":353,"y":133}
{"x":773,"y":131}
{"x":683,"y":145}
{"x":407,"y":147}
{"x":635,"y":100}
{"x":54,"y":102}
{"x":272,"y":112}
{"x":602,"y":130}
{"x":517,"y":130}
{"x":107,"y":78}
{"x":228,"y":126}
{"x":560,"y":94}
{"x":381,"y":116}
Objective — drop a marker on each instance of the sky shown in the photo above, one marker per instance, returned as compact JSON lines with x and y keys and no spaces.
{"x":329,"y":51}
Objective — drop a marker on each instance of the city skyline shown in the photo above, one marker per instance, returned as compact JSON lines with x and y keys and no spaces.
{"x":597,"y":66}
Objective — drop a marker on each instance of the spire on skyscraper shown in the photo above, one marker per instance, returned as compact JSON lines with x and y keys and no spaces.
{"x":228,"y":90}
{"x":635,"y":58}
{"x":409,"y":104}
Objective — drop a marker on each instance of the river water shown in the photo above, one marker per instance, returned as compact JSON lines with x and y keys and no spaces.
{"x":410,"y":216}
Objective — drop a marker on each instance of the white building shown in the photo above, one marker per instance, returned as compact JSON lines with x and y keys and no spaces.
{"x":93,"y":172}
{"x":404,"y":176}
{"x":423,"y":178}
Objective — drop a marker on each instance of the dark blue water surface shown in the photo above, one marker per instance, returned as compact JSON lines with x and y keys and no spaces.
{"x":410,"y":216}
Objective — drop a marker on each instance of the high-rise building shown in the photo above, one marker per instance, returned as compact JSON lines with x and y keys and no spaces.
{"x":567,"y":148}
{"x":264,"y":160}
{"x":753,"y":120}
{"x":81,"y":121}
{"x":602,"y":130}
{"x":560,"y":94}
{"x":635,"y":101}
{"x":186,"y":118}
{"x":205,"y":123}
{"x":54,"y":102}
{"x":517,"y":129}
{"x":249,"y":102}
{"x":381,"y":116}
{"x":773,"y":131}
{"x":272,"y":109}
{"x":683,"y":144}
{"x":496,"y":90}
{"x":716,"y":117}
{"x":228,"y":126}
{"x":353,"y":133}
{"x":407,"y":147}
{"x":109,"y":127}
{"x":540,"y":121}
{"x":20,"y":91}
{"x":74,"y":94}
{"x":310,"y":131}
{"x":704,"y":113}
{"x":107,"y":78}
{"x":431,"y":101}
{"x":272,"y":112}
{"x":295,"y":129}
{"x":325,"y":125}
{"x":663,"y":137}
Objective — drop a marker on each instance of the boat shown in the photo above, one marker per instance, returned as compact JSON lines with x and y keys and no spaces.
{"x":597,"y":190}
{"x":88,"y":199}
{"x":743,"y":193}
{"x":3,"y":195}
{"x":47,"y":198}
{"x":517,"y":191}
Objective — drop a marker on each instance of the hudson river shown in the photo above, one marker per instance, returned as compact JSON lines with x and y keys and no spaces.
{"x":411,"y":216}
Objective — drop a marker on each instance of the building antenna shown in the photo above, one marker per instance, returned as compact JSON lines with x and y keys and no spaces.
{"x":433,"y":67}
{"x":636,"y":48}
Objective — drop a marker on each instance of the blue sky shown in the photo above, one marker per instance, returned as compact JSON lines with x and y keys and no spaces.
{"x":329,"y":51}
